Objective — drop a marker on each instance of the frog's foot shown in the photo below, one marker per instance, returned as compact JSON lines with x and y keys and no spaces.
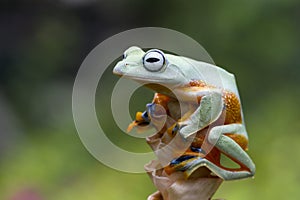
{"x":188,"y":164}
{"x":179,"y":164}
{"x":216,"y":170}
{"x":183,"y":162}
{"x":141,"y":119}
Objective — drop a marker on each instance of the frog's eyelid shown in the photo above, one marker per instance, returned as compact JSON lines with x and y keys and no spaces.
{"x":165,"y":61}
{"x":157,"y":51}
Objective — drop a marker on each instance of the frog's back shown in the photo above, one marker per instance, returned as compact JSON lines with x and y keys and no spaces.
{"x":213,"y":75}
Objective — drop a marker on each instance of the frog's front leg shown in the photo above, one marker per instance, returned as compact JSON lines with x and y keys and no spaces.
{"x":231,"y":149}
{"x":210,"y":108}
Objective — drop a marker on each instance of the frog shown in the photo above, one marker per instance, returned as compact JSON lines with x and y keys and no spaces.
{"x":212,"y":115}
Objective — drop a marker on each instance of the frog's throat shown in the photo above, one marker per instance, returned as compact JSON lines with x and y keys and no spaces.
{"x":160,"y":89}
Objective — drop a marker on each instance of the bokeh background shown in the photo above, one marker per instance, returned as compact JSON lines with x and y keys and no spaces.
{"x":43,"y":42}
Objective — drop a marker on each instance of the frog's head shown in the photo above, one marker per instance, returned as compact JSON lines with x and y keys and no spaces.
{"x":153,"y":67}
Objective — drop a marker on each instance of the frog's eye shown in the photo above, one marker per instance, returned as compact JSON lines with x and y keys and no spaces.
{"x":154,"y":60}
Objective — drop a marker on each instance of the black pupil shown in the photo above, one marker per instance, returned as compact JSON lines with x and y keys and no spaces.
{"x":152,"y":60}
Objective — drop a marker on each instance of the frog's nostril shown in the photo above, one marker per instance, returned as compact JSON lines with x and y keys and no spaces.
{"x":128,"y":64}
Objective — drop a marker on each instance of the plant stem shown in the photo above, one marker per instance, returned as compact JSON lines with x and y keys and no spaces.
{"x":191,"y":189}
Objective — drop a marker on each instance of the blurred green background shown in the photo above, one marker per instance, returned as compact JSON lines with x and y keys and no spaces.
{"x":43,"y":43}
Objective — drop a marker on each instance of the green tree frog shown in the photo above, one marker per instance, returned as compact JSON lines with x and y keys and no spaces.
{"x":212,"y":116}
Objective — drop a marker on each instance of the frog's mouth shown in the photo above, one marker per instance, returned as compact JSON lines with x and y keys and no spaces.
{"x":149,"y":80}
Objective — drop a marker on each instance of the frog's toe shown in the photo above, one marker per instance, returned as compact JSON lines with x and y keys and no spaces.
{"x":151,"y":107}
{"x":181,"y":159}
{"x":198,"y":150}
{"x":175,"y":129}
{"x":185,"y":163}
{"x":145,"y":117}
{"x":187,"y":130}
{"x":179,"y":164}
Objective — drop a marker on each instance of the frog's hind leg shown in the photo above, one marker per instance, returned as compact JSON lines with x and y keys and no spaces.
{"x":231,"y":149}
